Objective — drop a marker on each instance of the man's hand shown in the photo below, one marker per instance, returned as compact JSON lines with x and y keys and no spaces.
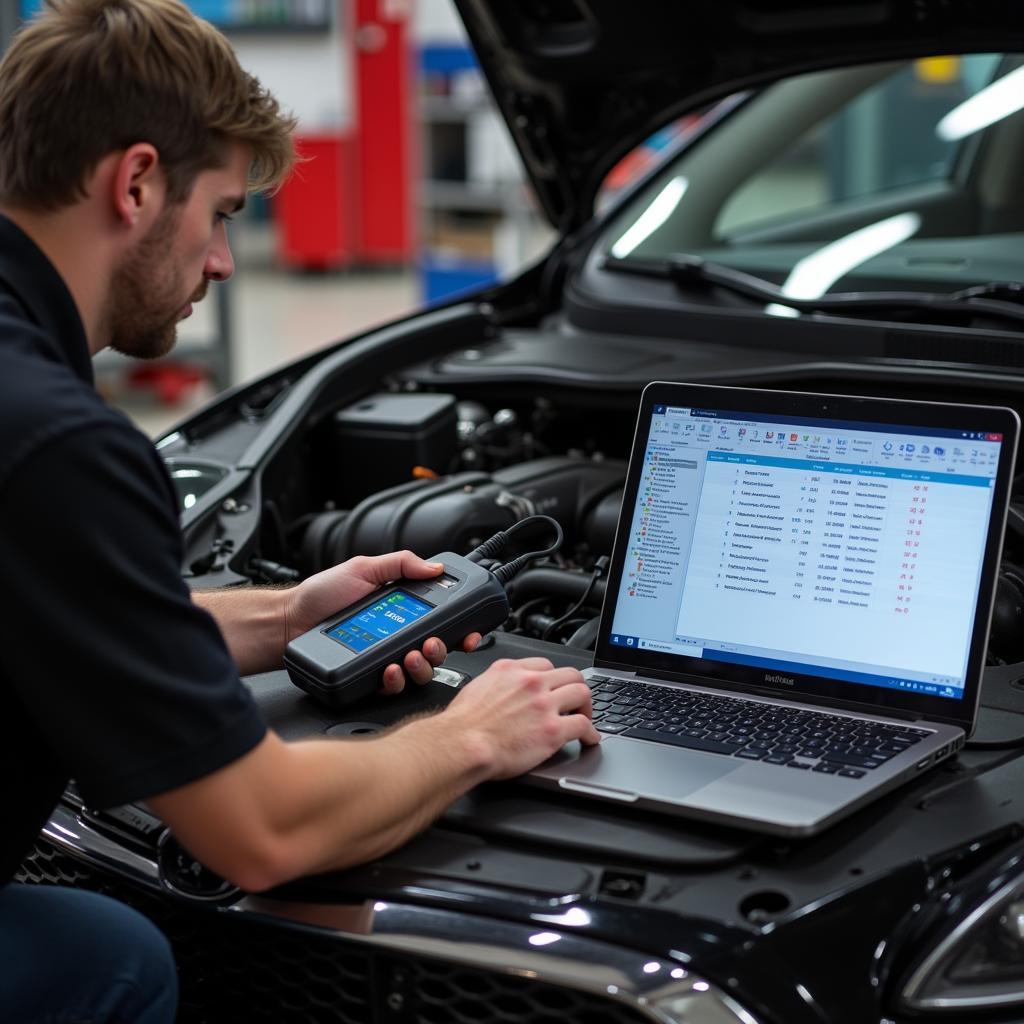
{"x":521,"y":712}
{"x":289,"y":809}
{"x":321,"y":595}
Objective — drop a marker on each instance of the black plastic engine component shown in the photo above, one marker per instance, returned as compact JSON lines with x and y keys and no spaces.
{"x":385,"y":437}
{"x":558,"y":584}
{"x":577,"y":492}
{"x":1006,"y":635}
{"x":425,"y":515}
{"x":459,"y":511}
{"x":599,"y":523}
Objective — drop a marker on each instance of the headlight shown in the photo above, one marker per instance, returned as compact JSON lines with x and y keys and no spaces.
{"x":977,"y":961}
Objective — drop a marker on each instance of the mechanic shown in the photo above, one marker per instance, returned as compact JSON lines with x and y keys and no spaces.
{"x":128,"y":137}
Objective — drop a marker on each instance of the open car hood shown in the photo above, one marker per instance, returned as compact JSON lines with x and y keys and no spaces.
{"x":582,"y":82}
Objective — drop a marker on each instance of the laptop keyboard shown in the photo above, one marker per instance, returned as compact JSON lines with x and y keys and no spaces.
{"x":789,"y":737}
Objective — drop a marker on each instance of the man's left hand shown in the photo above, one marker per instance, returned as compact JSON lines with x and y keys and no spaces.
{"x":329,"y":591}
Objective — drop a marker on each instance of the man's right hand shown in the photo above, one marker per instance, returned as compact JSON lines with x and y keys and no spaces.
{"x":522,"y":712}
{"x":287,"y":809}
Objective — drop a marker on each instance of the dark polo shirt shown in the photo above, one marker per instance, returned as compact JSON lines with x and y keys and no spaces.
{"x":109,"y":674}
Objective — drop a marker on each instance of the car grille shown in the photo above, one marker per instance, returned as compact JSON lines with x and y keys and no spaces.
{"x":234,"y":970}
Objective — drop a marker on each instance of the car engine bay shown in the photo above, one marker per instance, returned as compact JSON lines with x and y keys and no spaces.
{"x":441,"y":454}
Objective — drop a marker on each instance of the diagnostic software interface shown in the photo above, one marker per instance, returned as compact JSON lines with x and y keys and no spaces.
{"x":848,"y":551}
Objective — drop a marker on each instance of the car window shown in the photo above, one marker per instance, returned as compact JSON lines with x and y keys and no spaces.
{"x":882,"y":139}
{"x":927,"y":149}
{"x":639,"y":161}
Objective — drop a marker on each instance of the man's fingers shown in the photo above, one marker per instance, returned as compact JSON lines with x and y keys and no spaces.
{"x":572,"y":697}
{"x":419,"y":669}
{"x":393,"y":680}
{"x":417,"y":665}
{"x":471,"y":642}
{"x":581,"y":728}
{"x":559,"y":677}
{"x":414,"y":567}
{"x":383,"y":568}
{"x":533,"y":664}
{"x":435,"y":651}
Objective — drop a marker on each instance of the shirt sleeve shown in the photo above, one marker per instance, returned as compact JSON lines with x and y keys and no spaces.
{"x":130,"y":683}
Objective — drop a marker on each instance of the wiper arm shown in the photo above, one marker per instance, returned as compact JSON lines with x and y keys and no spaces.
{"x":1001,"y":299}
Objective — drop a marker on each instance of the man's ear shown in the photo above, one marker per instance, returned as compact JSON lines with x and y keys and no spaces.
{"x":138,"y":185}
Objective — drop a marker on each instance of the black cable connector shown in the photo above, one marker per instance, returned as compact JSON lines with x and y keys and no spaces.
{"x":274,"y":571}
{"x":486,"y":551}
{"x":493,"y":545}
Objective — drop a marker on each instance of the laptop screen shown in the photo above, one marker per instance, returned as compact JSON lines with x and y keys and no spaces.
{"x":806,"y":546}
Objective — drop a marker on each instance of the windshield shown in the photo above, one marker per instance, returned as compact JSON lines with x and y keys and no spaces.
{"x":888,"y":176}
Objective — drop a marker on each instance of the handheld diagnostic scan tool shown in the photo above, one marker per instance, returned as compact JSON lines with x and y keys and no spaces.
{"x":343,"y":658}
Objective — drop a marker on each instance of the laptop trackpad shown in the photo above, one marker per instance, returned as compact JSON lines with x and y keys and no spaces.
{"x":632,"y":768}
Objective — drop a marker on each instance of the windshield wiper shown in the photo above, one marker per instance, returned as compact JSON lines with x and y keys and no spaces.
{"x":1000,"y":299}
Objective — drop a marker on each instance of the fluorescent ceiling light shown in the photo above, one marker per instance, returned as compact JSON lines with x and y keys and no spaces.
{"x":1005,"y":96}
{"x":652,"y":218}
{"x":815,"y":274}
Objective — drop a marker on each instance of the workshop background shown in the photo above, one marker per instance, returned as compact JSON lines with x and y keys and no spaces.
{"x":410,"y":192}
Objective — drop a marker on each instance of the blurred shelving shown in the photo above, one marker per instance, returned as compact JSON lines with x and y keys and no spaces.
{"x":478,"y":222}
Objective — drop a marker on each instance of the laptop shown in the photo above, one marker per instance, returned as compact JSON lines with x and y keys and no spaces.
{"x":798,"y":603}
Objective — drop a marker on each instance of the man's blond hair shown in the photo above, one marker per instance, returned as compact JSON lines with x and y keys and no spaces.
{"x":86,"y":78}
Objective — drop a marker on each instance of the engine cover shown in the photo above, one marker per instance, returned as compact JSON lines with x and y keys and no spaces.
{"x":458,"y":511}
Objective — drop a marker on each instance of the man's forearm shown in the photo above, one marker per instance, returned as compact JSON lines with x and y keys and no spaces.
{"x":289,"y":809}
{"x":380,"y":794}
{"x":252,"y":622}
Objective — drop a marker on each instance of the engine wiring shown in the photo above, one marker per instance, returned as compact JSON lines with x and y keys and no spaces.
{"x":600,"y":568}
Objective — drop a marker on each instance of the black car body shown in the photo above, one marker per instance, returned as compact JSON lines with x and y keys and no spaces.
{"x":519,"y":906}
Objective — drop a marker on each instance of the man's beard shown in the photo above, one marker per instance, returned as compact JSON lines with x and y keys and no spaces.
{"x":146,"y":294}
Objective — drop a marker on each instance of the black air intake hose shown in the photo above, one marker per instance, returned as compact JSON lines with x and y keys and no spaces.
{"x":453,"y":514}
{"x":560,"y":584}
